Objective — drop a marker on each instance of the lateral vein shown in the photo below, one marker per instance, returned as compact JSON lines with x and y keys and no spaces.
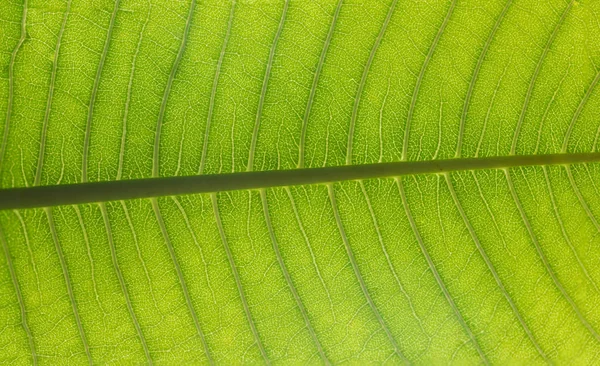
{"x":88,"y":125}
{"x":359,"y":278}
{"x":311,"y":251}
{"x":582,"y":201}
{"x":167,"y":92}
{"x":288,"y":278}
{"x":15,"y":282}
{"x":195,"y":239}
{"x":475,"y":76}
{"x":11,"y":84}
{"x":536,"y":72}
{"x":545,"y":262}
{"x":238,"y":281}
{"x":563,"y":229}
{"x":315,"y":82}
{"x":42,"y":151}
{"x":490,"y":266}
{"x":182,"y":283}
{"x":113,"y":254}
{"x":265,"y":84}
{"x":213,"y":92}
{"x":363,"y":80}
{"x":417,"y":88}
{"x":67,"y":279}
{"x":129,"y":92}
{"x":436,"y":274}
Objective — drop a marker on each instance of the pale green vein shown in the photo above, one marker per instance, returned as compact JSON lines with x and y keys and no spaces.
{"x":139,"y":254}
{"x":288,"y":278}
{"x":31,"y":256}
{"x":90,"y":114}
{"x":115,"y":262}
{"x":492,"y":270}
{"x":534,"y":77}
{"x":67,"y":194}
{"x":11,"y":83}
{"x":474,"y":77}
{"x":564,"y":230}
{"x":578,"y":111}
{"x":436,"y":274}
{"x":582,"y":201}
{"x":69,"y":286}
{"x":492,"y":216}
{"x":263,"y":92}
{"x":592,"y":181}
{"x":15,"y":283}
{"x":213,"y":92}
{"x":382,"y":108}
{"x":312,"y":253}
{"x":595,"y":144}
{"x":417,"y":88}
{"x":489,"y":110}
{"x":390,"y":265}
{"x":86,"y":240}
{"x":545,"y":262}
{"x":128,"y":98}
{"x":165,"y":98}
{"x":195,"y":239}
{"x":315,"y":82}
{"x":363,"y":80}
{"x":547,"y":110}
{"x":439,"y":209}
{"x":238,"y":281}
{"x":182,"y":283}
{"x":359,"y":278}
{"x":42,"y":151}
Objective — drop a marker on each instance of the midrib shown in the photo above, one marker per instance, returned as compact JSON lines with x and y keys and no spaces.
{"x":69,"y":194}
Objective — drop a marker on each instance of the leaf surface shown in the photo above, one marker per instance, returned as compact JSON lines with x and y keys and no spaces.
{"x":494,"y":264}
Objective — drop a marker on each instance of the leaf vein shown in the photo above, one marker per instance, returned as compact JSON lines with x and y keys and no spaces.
{"x":129,"y":92}
{"x":578,"y":111}
{"x":88,"y":125}
{"x":545,"y":262}
{"x":213,"y":92}
{"x":417,"y":88}
{"x":265,"y":83}
{"x":11,"y":84}
{"x":69,"y":286}
{"x":534,"y":77}
{"x":184,"y":289}
{"x":492,"y":270}
{"x":563,"y":229}
{"x":238,"y":281}
{"x":436,"y":274}
{"x":315,"y":82}
{"x":115,"y":261}
{"x":23,"y":310}
{"x":390,"y":265}
{"x":42,"y":149}
{"x":363,"y":79}
{"x":475,"y":76}
{"x":167,"y":91}
{"x":288,"y":279}
{"x":359,"y":277}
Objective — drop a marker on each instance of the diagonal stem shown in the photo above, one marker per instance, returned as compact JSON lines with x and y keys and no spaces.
{"x":69,"y":194}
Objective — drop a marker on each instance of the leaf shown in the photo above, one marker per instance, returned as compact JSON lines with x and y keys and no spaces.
{"x":472,"y":239}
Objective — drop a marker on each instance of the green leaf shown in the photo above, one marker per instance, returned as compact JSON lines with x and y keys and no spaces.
{"x":299,"y":181}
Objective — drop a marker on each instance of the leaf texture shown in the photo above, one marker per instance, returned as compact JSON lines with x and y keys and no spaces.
{"x":493,"y":265}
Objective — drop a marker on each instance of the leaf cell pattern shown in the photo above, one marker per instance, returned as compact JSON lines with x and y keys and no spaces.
{"x":487,"y":266}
